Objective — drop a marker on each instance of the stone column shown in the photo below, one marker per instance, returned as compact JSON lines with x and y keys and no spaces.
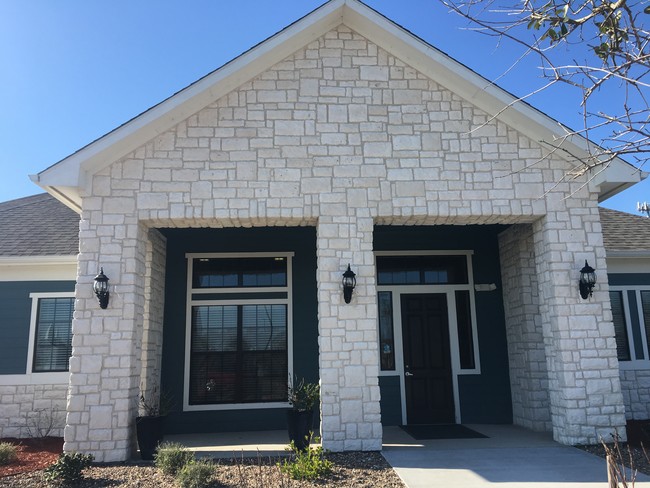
{"x":106,"y":353}
{"x":349,"y":355}
{"x":526,"y":354}
{"x":153,"y":314}
{"x":584,"y":385}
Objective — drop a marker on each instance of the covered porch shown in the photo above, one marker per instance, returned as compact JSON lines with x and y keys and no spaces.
{"x":509,"y":454}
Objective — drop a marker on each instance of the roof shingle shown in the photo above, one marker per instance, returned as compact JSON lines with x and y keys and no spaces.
{"x":624,"y":232}
{"x":38,"y":225}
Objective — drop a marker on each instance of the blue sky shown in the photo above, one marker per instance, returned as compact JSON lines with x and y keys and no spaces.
{"x":73,"y":70}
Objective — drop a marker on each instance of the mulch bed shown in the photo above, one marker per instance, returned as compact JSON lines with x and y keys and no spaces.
{"x":33,"y":454}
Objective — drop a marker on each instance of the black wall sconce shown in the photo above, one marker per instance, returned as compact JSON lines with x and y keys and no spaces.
{"x":349,"y":282}
{"x":587,"y":281}
{"x":100,"y":287}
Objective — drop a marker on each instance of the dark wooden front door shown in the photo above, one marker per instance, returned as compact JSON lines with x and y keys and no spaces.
{"x":427,"y":359}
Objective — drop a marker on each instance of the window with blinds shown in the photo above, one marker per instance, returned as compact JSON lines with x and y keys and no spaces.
{"x":620,"y":325}
{"x":238,"y":330}
{"x":53,"y":335}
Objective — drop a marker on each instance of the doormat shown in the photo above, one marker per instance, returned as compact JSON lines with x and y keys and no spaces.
{"x":441,"y":431}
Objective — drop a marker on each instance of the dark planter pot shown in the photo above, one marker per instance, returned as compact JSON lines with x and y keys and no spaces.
{"x":638,"y":432}
{"x":299,"y":423}
{"x":150,"y":433}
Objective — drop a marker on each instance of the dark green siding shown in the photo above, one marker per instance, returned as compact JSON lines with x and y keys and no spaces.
{"x":391,"y":400}
{"x":484,"y":398}
{"x":625,"y":279}
{"x":15,"y":315}
{"x":301,"y":241}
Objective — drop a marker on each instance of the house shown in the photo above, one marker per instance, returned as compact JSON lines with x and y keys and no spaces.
{"x":39,"y":244}
{"x":628,"y":267}
{"x":225,"y":216}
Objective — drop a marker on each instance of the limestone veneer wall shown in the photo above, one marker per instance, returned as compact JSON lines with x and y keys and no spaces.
{"x":32,"y":410}
{"x":527,"y":358}
{"x":635,"y":384}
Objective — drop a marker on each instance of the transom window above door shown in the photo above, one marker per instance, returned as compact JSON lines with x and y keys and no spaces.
{"x":238,"y":331}
{"x":422,"y":270}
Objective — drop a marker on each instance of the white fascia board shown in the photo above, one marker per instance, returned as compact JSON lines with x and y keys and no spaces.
{"x":627,"y":254}
{"x":38,"y":268}
{"x":71,"y":172}
{"x":37,"y":260}
{"x":615,"y":177}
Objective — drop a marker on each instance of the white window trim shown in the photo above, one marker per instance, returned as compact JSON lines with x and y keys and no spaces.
{"x":188,"y":322}
{"x":449,"y":291}
{"x":634,"y":364}
{"x":46,"y":378}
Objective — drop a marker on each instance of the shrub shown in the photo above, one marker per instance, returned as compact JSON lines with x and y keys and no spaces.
{"x":68,"y":468}
{"x":196,"y":474}
{"x":171,"y":457}
{"x":8,"y":453}
{"x":306,"y":464}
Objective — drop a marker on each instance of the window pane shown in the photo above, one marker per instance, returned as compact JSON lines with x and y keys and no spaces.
{"x":264,"y":327}
{"x":386,"y":338}
{"x":239,"y":272}
{"x":465,"y":336}
{"x":53,"y":346}
{"x":421,"y":270}
{"x":239,"y":354}
{"x":645,"y":304}
{"x":620,"y":326}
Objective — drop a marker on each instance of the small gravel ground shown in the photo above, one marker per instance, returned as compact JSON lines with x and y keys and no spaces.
{"x":350,"y":469}
{"x":633,"y":457}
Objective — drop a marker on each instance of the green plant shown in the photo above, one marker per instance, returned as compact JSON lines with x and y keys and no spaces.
{"x":303,"y":395}
{"x":8,"y":453}
{"x":172,"y":457}
{"x":195,"y":474}
{"x":152,"y":404}
{"x":306,"y":464}
{"x":68,"y":468}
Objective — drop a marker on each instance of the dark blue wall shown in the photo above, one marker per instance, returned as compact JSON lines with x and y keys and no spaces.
{"x":15,"y":315}
{"x":484,"y":398}
{"x":301,"y":241}
{"x":391,"y":400}
{"x":624,"y":279}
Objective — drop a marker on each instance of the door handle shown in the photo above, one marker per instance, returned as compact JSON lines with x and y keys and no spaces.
{"x":408,"y":374}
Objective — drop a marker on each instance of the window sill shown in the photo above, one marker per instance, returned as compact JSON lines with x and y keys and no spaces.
{"x":61,"y":378}
{"x":637,"y":364}
{"x":235,"y":406}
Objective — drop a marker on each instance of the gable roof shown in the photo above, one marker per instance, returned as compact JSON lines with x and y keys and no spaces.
{"x":65,"y":178}
{"x":38,"y":225}
{"x":624,"y":234}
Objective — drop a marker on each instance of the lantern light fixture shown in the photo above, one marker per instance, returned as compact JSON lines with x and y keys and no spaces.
{"x":349,"y":282}
{"x":100,"y":287}
{"x":587,"y":281}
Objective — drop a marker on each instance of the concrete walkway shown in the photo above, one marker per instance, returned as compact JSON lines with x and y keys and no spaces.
{"x":509,"y":457}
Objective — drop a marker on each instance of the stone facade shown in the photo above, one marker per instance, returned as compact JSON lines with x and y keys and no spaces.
{"x":527,"y":358}
{"x":32,"y":410}
{"x":635,"y":384}
{"x":342,"y":136}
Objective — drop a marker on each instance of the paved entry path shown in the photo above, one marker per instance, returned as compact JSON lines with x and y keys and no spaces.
{"x":510,"y":457}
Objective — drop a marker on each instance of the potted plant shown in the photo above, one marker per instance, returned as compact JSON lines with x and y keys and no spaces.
{"x":149,"y":424}
{"x":303,"y":397}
